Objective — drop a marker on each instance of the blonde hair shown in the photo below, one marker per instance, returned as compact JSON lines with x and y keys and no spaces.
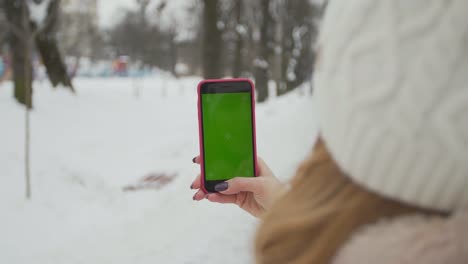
{"x":319,"y":213}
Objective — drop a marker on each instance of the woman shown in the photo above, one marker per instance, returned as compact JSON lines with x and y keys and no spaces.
{"x":387,"y":181}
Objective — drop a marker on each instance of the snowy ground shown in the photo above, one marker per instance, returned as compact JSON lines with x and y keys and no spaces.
{"x":85,"y":148}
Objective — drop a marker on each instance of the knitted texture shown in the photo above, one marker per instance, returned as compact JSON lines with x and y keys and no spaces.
{"x":409,"y":240}
{"x":392,"y":97}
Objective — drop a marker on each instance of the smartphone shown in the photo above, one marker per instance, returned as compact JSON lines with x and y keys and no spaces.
{"x":226,"y":121}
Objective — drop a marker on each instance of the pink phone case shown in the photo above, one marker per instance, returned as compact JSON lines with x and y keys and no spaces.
{"x":202,"y":164}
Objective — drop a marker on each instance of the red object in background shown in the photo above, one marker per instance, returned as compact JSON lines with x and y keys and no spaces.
{"x":120,"y":66}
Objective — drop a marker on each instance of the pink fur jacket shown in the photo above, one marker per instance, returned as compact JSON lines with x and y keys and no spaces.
{"x":409,"y":240}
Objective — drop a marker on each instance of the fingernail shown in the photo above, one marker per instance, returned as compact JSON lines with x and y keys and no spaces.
{"x":206,"y":196}
{"x":194,"y":197}
{"x":193,"y":160}
{"x":221,"y":186}
{"x":191,"y":186}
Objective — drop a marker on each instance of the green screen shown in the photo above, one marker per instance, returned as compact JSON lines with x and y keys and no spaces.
{"x":227,"y":135}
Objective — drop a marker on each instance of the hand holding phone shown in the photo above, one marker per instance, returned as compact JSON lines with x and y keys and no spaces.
{"x":254,"y":195}
{"x":226,"y":118}
{"x":228,"y":160}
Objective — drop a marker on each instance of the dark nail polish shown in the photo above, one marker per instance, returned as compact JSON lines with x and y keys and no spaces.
{"x":191,"y":186}
{"x":193,"y":160}
{"x":221,"y":186}
{"x":194,"y":197}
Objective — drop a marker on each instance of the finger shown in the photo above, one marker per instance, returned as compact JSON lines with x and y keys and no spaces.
{"x":221,"y":198}
{"x":240,"y":184}
{"x":196,"y":184}
{"x":199,"y":195}
{"x":196,"y":159}
{"x":263,"y":169}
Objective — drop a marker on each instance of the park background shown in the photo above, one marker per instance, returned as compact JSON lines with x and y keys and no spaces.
{"x":98,"y":122}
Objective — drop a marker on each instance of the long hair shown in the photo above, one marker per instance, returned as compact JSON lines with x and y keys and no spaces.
{"x":320,"y":212}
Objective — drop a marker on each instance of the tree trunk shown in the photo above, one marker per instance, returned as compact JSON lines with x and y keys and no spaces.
{"x":52,"y":59}
{"x":21,"y":42}
{"x":212,"y":67}
{"x":28,"y":39}
{"x":18,"y":17}
{"x":297,"y":53}
{"x":261,"y":64}
{"x":46,"y":43}
{"x":237,"y":67}
{"x":174,"y":55}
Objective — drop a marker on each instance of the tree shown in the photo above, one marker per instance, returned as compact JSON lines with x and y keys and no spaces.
{"x":261,"y":62}
{"x":300,"y":31}
{"x":47,"y":46}
{"x":211,"y":47}
{"x":24,"y":34}
{"x":142,"y":41}
{"x":21,"y":44}
{"x":240,"y":30}
{"x":79,"y":35}
{"x":3,"y":26}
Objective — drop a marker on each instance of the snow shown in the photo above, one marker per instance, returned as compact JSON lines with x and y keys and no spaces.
{"x":182,"y":68}
{"x":38,"y":11}
{"x":260,"y":63}
{"x":87,"y":147}
{"x":290,"y":74}
{"x":241,"y":29}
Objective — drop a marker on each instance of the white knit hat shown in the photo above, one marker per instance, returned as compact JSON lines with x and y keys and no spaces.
{"x":392,"y":96}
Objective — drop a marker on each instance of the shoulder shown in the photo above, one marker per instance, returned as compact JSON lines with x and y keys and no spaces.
{"x":409,"y":239}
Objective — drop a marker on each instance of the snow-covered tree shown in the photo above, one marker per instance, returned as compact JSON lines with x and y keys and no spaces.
{"x":300,"y":30}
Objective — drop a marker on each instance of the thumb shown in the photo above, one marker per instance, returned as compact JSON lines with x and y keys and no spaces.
{"x":240,"y":184}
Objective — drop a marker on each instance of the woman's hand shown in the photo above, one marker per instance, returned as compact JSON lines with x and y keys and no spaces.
{"x":253,"y":194}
